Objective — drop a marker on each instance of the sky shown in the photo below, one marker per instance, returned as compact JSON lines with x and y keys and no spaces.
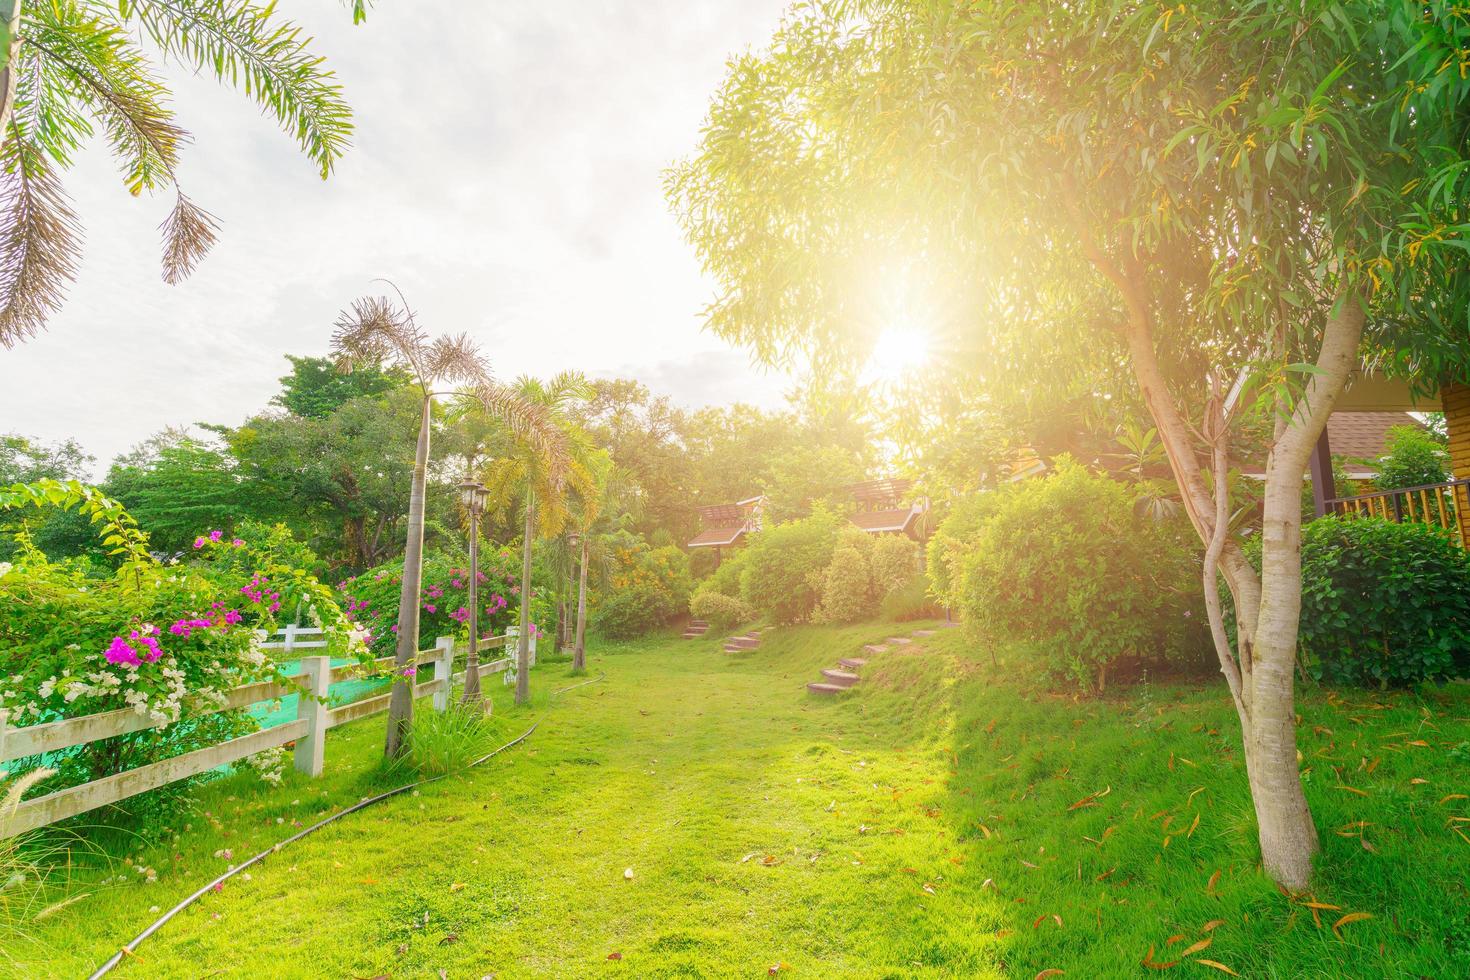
{"x":506,"y":174}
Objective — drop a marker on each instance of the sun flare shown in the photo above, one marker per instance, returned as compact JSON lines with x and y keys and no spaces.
{"x":900,"y":350}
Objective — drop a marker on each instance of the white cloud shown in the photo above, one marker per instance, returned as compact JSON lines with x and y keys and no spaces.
{"x":506,"y":174}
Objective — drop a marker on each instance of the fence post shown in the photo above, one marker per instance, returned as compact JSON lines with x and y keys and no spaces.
{"x":531,"y":648}
{"x":511,"y":649}
{"x":311,"y":747}
{"x":4,"y":724}
{"x":444,"y":667}
{"x":290,"y":642}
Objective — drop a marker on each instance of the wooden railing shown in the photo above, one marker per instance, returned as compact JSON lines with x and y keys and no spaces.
{"x":314,"y":717}
{"x":1441,"y":504}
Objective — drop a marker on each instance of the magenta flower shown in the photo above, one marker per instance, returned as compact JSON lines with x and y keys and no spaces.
{"x":431,"y":607}
{"x":409,"y":671}
{"x":120,"y":652}
{"x":215,"y":536}
{"x":198,"y":543}
{"x":238,"y":543}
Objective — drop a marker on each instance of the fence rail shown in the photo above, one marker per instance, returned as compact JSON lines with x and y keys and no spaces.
{"x":1441,"y":504}
{"x":315,"y":716}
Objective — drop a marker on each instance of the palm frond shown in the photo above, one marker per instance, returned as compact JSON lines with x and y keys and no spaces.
{"x":376,"y":330}
{"x":188,"y":235}
{"x":531,"y":423}
{"x":568,"y":386}
{"x":456,"y":360}
{"x":111,"y":80}
{"x":39,"y":238}
{"x":270,"y":59}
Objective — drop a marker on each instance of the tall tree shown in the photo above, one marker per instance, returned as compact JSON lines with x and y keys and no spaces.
{"x":1215,"y":199}
{"x":315,"y":388}
{"x":378,"y":332}
{"x":544,"y":483}
{"x":67,"y":66}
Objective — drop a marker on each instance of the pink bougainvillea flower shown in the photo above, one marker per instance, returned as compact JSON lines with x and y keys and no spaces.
{"x":238,"y":543}
{"x":120,"y":652}
{"x":198,"y":543}
{"x":409,"y":671}
{"x":216,"y":535}
{"x":431,"y":607}
{"x":233,"y":616}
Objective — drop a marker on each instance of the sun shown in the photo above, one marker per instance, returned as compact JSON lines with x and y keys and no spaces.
{"x":901,"y":349}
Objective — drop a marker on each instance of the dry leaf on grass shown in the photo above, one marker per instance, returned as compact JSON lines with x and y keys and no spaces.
{"x":1217,"y":966}
{"x":1350,"y":917}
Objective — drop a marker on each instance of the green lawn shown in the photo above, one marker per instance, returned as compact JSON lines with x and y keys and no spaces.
{"x":944,"y":819}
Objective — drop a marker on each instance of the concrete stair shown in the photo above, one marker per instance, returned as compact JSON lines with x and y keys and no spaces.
{"x":696,"y":628}
{"x":824,"y":689}
{"x":852,"y":663}
{"x":743,"y":642}
{"x":841,"y":678}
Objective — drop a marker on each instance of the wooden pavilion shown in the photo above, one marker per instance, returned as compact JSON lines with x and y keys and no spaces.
{"x":724,"y":525}
{"x":880,"y":508}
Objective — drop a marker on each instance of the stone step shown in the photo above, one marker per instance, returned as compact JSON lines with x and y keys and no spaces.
{"x":754,"y":636}
{"x":840,"y":677}
{"x":698,"y":624}
{"x":900,"y":640}
{"x":817,"y":688}
{"x":744,"y":642}
{"x":732,"y":648}
{"x":875,"y":648}
{"x":852,"y":663}
{"x":691,"y":635}
{"x":922,"y":633}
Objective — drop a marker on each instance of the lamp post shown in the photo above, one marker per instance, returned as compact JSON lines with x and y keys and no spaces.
{"x":473,"y":494}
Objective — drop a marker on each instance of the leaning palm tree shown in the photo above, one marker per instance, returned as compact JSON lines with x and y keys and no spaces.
{"x":68,"y":67}
{"x":545,"y":492}
{"x":380,"y":332}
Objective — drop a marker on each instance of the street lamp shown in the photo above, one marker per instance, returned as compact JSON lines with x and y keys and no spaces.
{"x":473,"y":495}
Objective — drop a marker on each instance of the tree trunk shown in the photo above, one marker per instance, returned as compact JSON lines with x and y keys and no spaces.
{"x":579,"y":651}
{"x":400,"y":705}
{"x":523,"y":641}
{"x":471,"y":695}
{"x":9,"y":47}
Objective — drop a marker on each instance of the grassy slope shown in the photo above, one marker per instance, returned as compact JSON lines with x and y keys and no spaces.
{"x":921,"y":826}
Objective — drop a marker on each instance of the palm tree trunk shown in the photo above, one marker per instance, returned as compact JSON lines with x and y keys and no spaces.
{"x":400,"y":705}
{"x":471,"y":695}
{"x":579,"y":652}
{"x":523,"y":644}
{"x":9,"y":45}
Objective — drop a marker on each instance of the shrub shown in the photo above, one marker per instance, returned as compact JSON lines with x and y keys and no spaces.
{"x":648,"y":588}
{"x":895,"y":560}
{"x":911,"y":601}
{"x":720,"y":611}
{"x":442,"y":742}
{"x":781,"y":565}
{"x":1415,"y":458}
{"x":847,"y":587}
{"x":371,"y":599}
{"x":726,"y":578}
{"x":1068,"y":568}
{"x":160,"y":640}
{"x":951,"y":542}
{"x":1383,"y":603}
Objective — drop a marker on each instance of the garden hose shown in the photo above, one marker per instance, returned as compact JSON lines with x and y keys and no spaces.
{"x":162,"y":920}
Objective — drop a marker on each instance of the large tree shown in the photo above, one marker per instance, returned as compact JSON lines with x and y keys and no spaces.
{"x":69,"y":67}
{"x":378,"y":332}
{"x":1216,"y":199}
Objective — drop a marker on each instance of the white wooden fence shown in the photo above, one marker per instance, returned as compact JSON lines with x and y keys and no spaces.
{"x":314,"y":716}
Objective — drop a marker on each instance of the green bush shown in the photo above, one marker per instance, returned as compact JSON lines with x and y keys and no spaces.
{"x":1383,"y":603}
{"x":847,"y":587}
{"x":951,"y":542}
{"x":1068,"y":568}
{"x":911,"y":601}
{"x":647,"y":588}
{"x":781,"y":569}
{"x":1415,"y":458}
{"x":895,"y":561}
{"x":720,"y":611}
{"x":726,"y":578}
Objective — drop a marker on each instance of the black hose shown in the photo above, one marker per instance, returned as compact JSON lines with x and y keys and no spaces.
{"x":162,"y":920}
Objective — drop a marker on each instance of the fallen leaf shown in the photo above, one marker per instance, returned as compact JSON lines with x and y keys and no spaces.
{"x":614,"y":956}
{"x":1191,"y":950}
{"x":1212,"y":925}
{"x":457,"y":886}
{"x":1148,"y":961}
{"x":770,"y":860}
{"x":1218,"y":966}
{"x":1353,"y":789}
{"x":1324,"y":906}
{"x":1350,"y":917}
{"x":1455,"y":796}
{"x":1049,"y":973}
{"x":1214,"y":880}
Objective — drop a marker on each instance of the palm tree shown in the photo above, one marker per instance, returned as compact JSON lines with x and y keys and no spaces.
{"x":546,"y":497}
{"x":69,"y":66}
{"x":608,"y":488}
{"x":379,"y":332}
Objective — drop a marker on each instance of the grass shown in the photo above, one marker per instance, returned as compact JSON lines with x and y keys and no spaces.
{"x":943,"y":820}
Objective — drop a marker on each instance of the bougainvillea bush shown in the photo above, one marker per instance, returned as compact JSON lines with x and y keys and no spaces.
{"x":646,"y":587}
{"x":163,"y":640}
{"x":370,"y":600}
